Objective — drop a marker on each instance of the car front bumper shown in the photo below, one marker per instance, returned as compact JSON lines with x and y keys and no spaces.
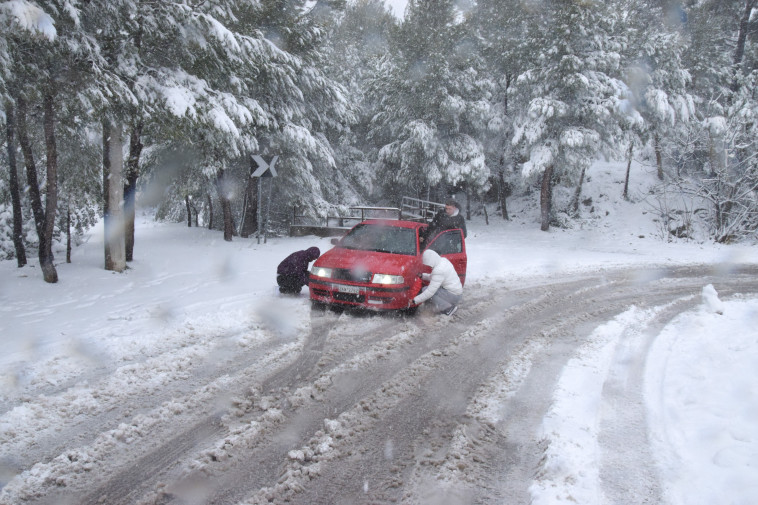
{"x":369,"y":296}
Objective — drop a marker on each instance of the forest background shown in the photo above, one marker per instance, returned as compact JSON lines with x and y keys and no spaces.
{"x":106,"y":103}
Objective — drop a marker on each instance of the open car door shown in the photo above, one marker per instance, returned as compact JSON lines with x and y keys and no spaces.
{"x":450,"y":244}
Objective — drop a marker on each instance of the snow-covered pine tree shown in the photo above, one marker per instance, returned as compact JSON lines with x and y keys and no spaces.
{"x":357,"y":45}
{"x":222,"y":89}
{"x":499,"y":27}
{"x":568,"y":95}
{"x":69,"y":75}
{"x":34,"y":74}
{"x":661,"y":105}
{"x":306,"y":106}
{"x":15,"y":230}
{"x":724,"y":59}
{"x":271,"y":70}
{"x":434,"y":103}
{"x":23,"y":24}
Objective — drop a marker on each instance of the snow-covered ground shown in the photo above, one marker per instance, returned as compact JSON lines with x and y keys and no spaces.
{"x":188,"y":285}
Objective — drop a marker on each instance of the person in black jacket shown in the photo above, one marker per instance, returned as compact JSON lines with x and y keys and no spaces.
{"x":292,"y":272}
{"x":448,"y":220}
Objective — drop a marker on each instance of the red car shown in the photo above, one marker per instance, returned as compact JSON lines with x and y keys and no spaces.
{"x":377,"y":265}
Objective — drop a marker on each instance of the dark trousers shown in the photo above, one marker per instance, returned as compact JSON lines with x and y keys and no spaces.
{"x":289,"y":283}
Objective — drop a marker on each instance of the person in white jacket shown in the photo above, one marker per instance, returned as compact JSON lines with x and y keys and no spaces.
{"x":445,"y":289}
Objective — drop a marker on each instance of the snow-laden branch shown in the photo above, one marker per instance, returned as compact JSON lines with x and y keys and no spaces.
{"x":28,"y":17}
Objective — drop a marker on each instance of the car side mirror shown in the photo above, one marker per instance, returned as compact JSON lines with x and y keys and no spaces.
{"x":335,"y":241}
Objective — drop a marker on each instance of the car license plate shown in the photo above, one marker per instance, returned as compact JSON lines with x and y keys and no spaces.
{"x":354,"y":290}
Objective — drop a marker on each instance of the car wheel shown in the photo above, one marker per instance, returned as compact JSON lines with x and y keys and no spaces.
{"x":336,"y":308}
{"x":410,"y":311}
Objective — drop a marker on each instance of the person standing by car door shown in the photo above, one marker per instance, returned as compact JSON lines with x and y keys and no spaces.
{"x":444,"y":289}
{"x":292,"y":272}
{"x":448,"y":220}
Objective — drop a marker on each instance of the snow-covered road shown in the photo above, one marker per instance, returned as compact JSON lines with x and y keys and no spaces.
{"x":501,"y":403}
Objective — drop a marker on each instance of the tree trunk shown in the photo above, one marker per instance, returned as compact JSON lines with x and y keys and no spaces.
{"x":210,"y":212}
{"x":189,"y":211}
{"x":51,"y":194}
{"x":106,"y":189}
{"x":226,"y":206}
{"x":628,"y":171}
{"x":508,"y":79}
{"x":231,"y":218}
{"x":114,"y":223}
{"x":468,"y":202}
{"x":31,"y":167}
{"x":43,"y":226}
{"x":546,"y":198}
{"x":503,"y":193}
{"x":13,"y":186}
{"x":578,"y":194}
{"x":130,"y":188}
{"x":250,"y":211}
{"x":739,"y":50}
{"x":68,"y":234}
{"x":244,"y":213}
{"x":135,"y":150}
{"x":226,"y":210}
{"x":658,"y":155}
{"x":503,"y":196}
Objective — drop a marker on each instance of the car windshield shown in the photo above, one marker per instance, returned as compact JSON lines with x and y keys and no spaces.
{"x":387,"y":239}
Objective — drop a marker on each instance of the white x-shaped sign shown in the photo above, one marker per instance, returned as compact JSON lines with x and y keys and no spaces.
{"x":263,"y":166}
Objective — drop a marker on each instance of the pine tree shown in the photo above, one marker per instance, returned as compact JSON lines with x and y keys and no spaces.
{"x":723,"y":58}
{"x":500,"y":28}
{"x":314,"y":112}
{"x":36,"y":56}
{"x":14,"y":187}
{"x":568,"y":94}
{"x":433,"y":103}
{"x":357,"y":44}
{"x":18,"y":30}
{"x":660,"y":104}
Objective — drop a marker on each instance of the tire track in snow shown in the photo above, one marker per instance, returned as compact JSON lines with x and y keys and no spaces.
{"x":362,"y":471}
{"x":381,"y":410}
{"x":656,"y":290}
{"x":264,"y":391}
{"x":282,"y":403}
{"x":96,"y":403}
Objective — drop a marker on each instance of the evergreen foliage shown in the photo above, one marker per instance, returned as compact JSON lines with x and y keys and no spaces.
{"x":362,"y":107}
{"x":568,"y":94}
{"x":433,"y":105}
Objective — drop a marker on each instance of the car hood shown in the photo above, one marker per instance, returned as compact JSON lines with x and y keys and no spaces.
{"x":368,"y":261}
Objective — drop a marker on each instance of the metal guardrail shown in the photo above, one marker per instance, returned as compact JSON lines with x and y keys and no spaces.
{"x":337,"y":225}
{"x":415,"y":209}
{"x":411,"y":209}
{"x":367,"y":213}
{"x":361,"y":214}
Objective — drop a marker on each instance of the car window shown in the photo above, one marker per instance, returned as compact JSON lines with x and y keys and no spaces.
{"x":388,"y":239}
{"x":449,"y":242}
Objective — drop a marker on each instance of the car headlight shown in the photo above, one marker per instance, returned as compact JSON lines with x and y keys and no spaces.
{"x":322,"y":272}
{"x":387,"y":279}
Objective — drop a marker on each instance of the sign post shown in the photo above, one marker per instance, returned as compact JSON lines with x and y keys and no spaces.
{"x":264,"y":170}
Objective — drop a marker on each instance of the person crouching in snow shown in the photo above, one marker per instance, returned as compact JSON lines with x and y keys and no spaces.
{"x":292,"y":272}
{"x":445,"y":289}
